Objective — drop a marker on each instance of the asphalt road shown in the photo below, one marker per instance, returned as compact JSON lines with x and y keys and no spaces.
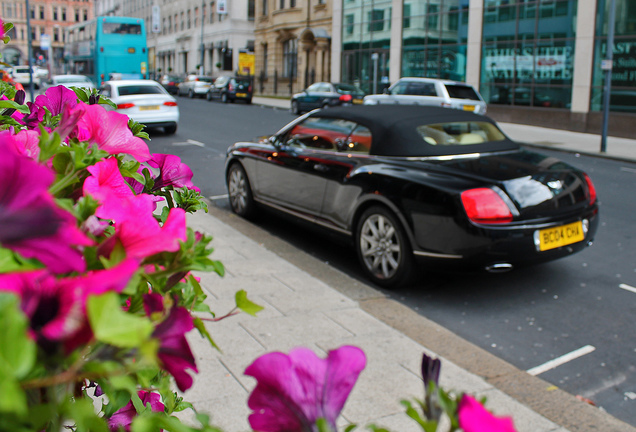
{"x":577,"y":311}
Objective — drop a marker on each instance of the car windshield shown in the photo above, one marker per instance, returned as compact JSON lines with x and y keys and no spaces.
{"x":71,"y":79}
{"x":347,"y":89}
{"x":461,"y":92}
{"x":139,"y":89}
{"x":205,"y":79}
{"x":460,"y":133}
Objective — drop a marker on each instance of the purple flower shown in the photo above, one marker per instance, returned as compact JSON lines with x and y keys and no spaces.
{"x":55,"y":99}
{"x":293,"y":391}
{"x":171,"y":172}
{"x":430,"y":370}
{"x":56,"y":308}
{"x":123,"y":417}
{"x":30,"y":222}
{"x":174,"y":352}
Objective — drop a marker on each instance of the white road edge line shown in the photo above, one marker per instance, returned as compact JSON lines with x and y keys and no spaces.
{"x":632,"y":170}
{"x":628,"y":288}
{"x":561,"y":360}
{"x":217,"y":197}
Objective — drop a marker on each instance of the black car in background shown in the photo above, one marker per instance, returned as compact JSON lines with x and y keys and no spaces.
{"x":407,"y":184}
{"x":171,"y":83}
{"x":231,"y":89}
{"x":325,"y":95}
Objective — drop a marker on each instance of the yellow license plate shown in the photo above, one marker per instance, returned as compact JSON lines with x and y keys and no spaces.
{"x":241,"y":94}
{"x":551,"y":238}
{"x":357,"y":101}
{"x":149,"y":108}
{"x":469,"y":107}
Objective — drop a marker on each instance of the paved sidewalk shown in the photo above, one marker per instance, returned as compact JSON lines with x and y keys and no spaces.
{"x":309,"y":303}
{"x":322,"y":309}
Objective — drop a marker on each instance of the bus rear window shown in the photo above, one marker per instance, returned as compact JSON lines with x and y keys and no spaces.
{"x":138,"y":89}
{"x":121,"y":28}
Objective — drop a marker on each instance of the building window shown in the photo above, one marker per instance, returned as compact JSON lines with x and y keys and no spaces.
{"x":85,"y":15}
{"x":32,"y":12}
{"x":265,"y":60}
{"x":211,"y":12}
{"x":376,"y":20}
{"x":77,"y":15}
{"x":292,"y":3}
{"x":433,"y":18}
{"x":63,"y":14}
{"x":250,"y":10}
{"x":265,"y":11}
{"x":41,"y":12}
{"x":282,"y":4}
{"x":349,"y":19}
{"x":56,"y":35}
{"x":407,"y":16}
{"x":290,"y":58}
{"x":54,"y":13}
{"x":188,"y":22}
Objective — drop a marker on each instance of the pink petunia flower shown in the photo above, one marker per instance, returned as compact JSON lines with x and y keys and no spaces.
{"x":107,"y":186}
{"x":56,"y":308}
{"x":55,"y":99}
{"x":123,"y":417}
{"x":110,"y":131}
{"x":293,"y":391}
{"x":30,"y":222}
{"x":473,"y":417}
{"x":171,"y":172}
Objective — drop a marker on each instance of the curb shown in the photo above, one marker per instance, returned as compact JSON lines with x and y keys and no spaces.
{"x":542,"y":397}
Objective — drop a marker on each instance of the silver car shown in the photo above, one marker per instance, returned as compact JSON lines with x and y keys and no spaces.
{"x":68,"y":81}
{"x":431,"y":92}
{"x":195,"y":85}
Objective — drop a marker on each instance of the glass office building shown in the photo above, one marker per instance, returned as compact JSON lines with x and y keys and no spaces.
{"x":538,"y":61}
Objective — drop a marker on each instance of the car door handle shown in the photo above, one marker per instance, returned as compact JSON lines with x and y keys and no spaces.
{"x":321,"y":168}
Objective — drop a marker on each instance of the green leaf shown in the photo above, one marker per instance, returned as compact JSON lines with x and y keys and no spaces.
{"x":17,"y":349}
{"x":244,"y":304}
{"x":13,"y":398}
{"x":11,"y":104}
{"x":200,"y":325}
{"x":85,"y":417}
{"x":112,"y":325}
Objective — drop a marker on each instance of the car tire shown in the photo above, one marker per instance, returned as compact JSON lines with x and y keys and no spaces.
{"x":325,"y":105}
{"x":240,"y":192}
{"x":294,"y":108}
{"x":248,"y":101}
{"x":224,"y":98}
{"x":383,"y":247}
{"x":170,"y":130}
{"x":190,"y":94}
{"x":208,"y":96}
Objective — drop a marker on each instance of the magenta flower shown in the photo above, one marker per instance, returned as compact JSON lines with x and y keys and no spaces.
{"x":295,"y":390}
{"x":30,"y":222}
{"x":69,"y":120}
{"x":174,"y":352}
{"x":110,"y":131}
{"x":123,"y":417}
{"x":473,"y":417}
{"x":171,"y":172}
{"x":29,"y":141}
{"x":108,"y":187}
{"x":56,"y":308}
{"x":55,"y":99}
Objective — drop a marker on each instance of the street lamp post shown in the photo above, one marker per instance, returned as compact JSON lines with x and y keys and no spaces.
{"x":202,"y":68}
{"x":608,"y":74}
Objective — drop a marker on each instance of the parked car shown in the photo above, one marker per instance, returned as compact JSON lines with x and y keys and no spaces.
{"x":195,"y":85}
{"x":231,"y":89}
{"x":144,"y":101}
{"x":325,"y":95}
{"x":410,"y":184}
{"x":171,"y":83}
{"x":68,"y":81}
{"x":20,"y":74}
{"x":431,"y":92}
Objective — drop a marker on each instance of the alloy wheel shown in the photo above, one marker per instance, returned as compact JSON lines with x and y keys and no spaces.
{"x":380,"y":246}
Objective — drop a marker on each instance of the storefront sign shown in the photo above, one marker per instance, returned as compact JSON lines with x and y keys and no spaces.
{"x":543,"y":63}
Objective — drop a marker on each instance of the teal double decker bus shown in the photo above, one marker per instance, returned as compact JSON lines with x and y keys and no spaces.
{"x":107,"y":47}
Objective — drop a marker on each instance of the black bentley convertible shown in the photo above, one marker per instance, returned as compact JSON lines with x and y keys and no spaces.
{"x":410,"y":183}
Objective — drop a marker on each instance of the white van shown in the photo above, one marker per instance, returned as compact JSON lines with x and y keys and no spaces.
{"x":432,"y":92}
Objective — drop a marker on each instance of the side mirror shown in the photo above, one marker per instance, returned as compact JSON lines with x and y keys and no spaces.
{"x":385,"y":91}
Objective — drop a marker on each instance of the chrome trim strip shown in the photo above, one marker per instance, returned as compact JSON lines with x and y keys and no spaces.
{"x":436,"y":255}
{"x":302,"y":216}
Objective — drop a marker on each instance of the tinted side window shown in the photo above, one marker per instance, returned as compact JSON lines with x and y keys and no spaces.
{"x":421,"y":89}
{"x":320,"y":133}
{"x":461,"y":92}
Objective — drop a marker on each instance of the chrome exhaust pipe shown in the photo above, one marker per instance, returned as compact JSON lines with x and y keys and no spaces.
{"x":499,"y":268}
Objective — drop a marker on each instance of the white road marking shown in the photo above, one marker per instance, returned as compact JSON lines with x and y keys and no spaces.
{"x":561,"y":360}
{"x":217,"y":197}
{"x":630,"y":395}
{"x":189,"y":142}
{"x":632,"y":170}
{"x":628,"y":288}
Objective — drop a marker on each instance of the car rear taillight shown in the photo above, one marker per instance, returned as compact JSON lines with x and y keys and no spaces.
{"x":125,"y":105}
{"x":591,"y":190}
{"x":484,"y":205}
{"x":170,"y":103}
{"x":445,"y":105}
{"x":249,"y":88}
{"x":230,"y":87}
{"x":346,"y":98}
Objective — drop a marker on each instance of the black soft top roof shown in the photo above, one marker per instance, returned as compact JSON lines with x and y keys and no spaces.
{"x":393,"y":128}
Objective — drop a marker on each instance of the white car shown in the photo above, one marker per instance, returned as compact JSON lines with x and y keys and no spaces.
{"x":431,"y":92}
{"x":20,"y":74}
{"x":145,"y":101}
{"x":68,"y":81}
{"x":195,"y":85}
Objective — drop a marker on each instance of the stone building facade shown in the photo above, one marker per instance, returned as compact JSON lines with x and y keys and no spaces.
{"x":293,"y":45}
